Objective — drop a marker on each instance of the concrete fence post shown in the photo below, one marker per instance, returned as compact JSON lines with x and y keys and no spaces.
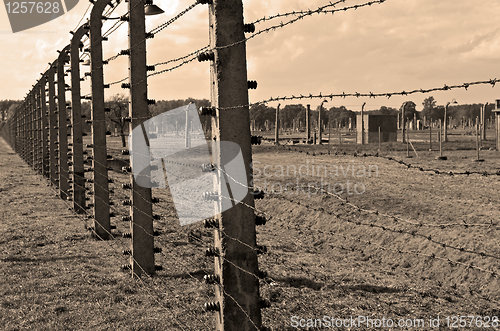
{"x":102,"y":225}
{"x":141,"y":224}
{"x":497,"y":123}
{"x":45,"y":125}
{"x":52,"y":125}
{"x":79,"y":202}
{"x":277,"y":126}
{"x":31,"y":129}
{"x":308,"y":123}
{"x":63,"y":125}
{"x":237,"y":292}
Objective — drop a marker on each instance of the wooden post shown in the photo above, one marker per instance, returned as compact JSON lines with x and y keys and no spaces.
{"x":483,"y":121}
{"x":329,"y":125}
{"x":497,"y":123}
{"x":320,"y":134}
{"x":430,"y":138}
{"x":63,"y":128}
{"x":362,"y":124}
{"x":142,"y":259}
{"x":76,"y":104}
{"x":102,"y":225}
{"x":407,"y":142}
{"x":441,"y":157}
{"x":308,"y":123}
{"x":440,"y":139}
{"x":52,"y":124}
{"x":403,"y":119}
{"x":277,"y":126}
{"x":237,"y":293}
{"x":477,"y":139}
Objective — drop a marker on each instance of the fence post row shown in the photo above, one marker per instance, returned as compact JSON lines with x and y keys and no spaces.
{"x":237,"y":292}
{"x":39,"y":133}
{"x":102,"y":226}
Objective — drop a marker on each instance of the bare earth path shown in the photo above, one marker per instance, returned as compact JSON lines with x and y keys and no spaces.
{"x":53,"y":276}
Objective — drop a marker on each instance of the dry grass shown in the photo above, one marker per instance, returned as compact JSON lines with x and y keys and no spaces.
{"x":55,"y":277}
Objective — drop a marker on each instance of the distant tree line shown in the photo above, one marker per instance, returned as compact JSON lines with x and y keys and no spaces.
{"x":118,"y":106}
{"x":458,"y":112}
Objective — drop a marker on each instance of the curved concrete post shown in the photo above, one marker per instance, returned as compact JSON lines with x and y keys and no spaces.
{"x":45,"y":128}
{"x":63,"y":125}
{"x":52,"y":124}
{"x":76,"y":104}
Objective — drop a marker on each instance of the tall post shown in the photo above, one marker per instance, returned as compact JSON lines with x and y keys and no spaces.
{"x":407,"y":142}
{"x":497,"y":123}
{"x":403,"y":121}
{"x":277,"y":126}
{"x":483,"y":121}
{"x":102,"y":225}
{"x":36,"y":131}
{"x":441,"y":157}
{"x":34,"y":127}
{"x":52,"y":124}
{"x":320,"y":125}
{"x":308,"y":123}
{"x":31,"y":129}
{"x":362,"y":124}
{"x":445,"y":127}
{"x":477,"y":138}
{"x":329,"y":124}
{"x":23,"y":130}
{"x":45,"y":128}
{"x":430,"y":138}
{"x":76,"y":116}
{"x":320,"y":136}
{"x":63,"y":129}
{"x":237,"y":293}
{"x":141,"y":224}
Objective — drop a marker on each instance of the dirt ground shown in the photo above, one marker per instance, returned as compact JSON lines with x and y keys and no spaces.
{"x":400,"y":244}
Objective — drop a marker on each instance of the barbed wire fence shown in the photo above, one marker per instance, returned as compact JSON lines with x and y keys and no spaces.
{"x":46,"y":132}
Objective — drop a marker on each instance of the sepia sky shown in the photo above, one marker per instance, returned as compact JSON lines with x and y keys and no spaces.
{"x":390,"y":47}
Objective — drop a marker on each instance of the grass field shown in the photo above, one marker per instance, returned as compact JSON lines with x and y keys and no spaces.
{"x":437,"y":255}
